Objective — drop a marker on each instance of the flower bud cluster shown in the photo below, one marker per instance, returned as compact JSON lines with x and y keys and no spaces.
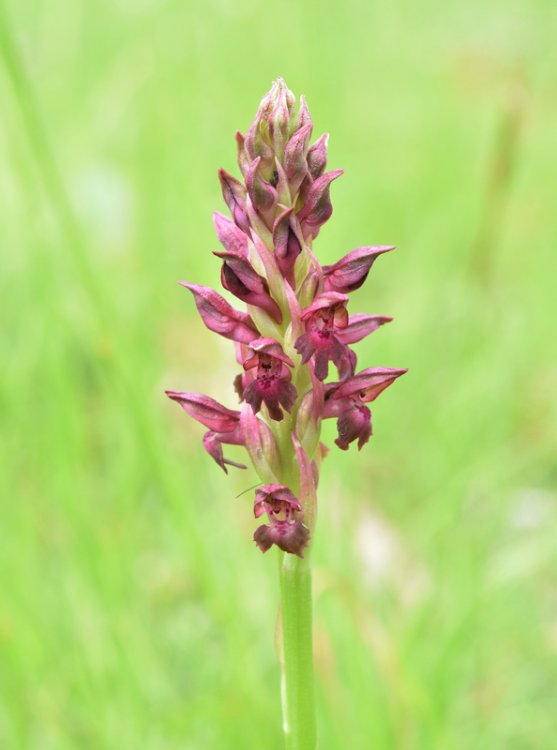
{"x":296,"y":325}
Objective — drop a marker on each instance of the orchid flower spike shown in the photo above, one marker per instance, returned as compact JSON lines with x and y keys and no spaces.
{"x":296,"y":327}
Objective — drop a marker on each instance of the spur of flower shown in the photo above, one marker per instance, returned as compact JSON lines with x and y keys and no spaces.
{"x":294,"y":333}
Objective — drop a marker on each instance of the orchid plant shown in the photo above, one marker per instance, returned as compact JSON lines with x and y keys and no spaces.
{"x":295,"y":331}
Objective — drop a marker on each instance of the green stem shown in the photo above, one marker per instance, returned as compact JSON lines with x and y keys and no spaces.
{"x":297,"y":653}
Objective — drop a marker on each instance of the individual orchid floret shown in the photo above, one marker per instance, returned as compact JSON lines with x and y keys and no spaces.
{"x":285,"y":530}
{"x":223,"y":424}
{"x":324,"y":319}
{"x":220,"y":317}
{"x":350,"y":272}
{"x":239,"y":277}
{"x":346,"y":400}
{"x":271,"y":385}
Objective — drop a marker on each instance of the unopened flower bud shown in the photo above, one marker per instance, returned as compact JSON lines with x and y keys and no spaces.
{"x":317,"y":157}
{"x":317,"y":207}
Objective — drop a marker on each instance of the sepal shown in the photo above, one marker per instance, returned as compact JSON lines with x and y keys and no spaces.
{"x":350,"y":272}
{"x":230,"y":237}
{"x":220,"y":317}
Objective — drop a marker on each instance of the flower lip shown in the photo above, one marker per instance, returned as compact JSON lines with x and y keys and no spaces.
{"x":354,"y":424}
{"x":289,"y":536}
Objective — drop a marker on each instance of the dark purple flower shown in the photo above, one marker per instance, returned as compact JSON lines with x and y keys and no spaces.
{"x":271,"y":385}
{"x":324,"y":319}
{"x":350,"y":272}
{"x":285,"y":529}
{"x":346,"y":400}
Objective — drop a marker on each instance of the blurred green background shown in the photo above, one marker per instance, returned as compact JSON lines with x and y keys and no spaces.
{"x":135,"y":610}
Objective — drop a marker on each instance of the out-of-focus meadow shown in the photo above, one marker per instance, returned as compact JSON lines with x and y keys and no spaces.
{"x":135,"y":611}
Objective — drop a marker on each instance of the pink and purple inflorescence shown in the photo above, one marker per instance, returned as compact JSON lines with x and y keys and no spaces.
{"x":296,"y":323}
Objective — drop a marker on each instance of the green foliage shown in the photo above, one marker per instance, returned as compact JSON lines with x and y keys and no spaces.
{"x":134,"y":609}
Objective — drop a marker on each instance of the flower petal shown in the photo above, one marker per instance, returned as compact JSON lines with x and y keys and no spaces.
{"x":212,"y":442}
{"x":350,"y":272}
{"x":323,"y":301}
{"x":272,"y":348}
{"x":359,"y":326}
{"x":369,"y":383}
{"x":206,"y":410}
{"x":289,"y":536}
{"x":220,"y":317}
{"x":230,"y":237}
